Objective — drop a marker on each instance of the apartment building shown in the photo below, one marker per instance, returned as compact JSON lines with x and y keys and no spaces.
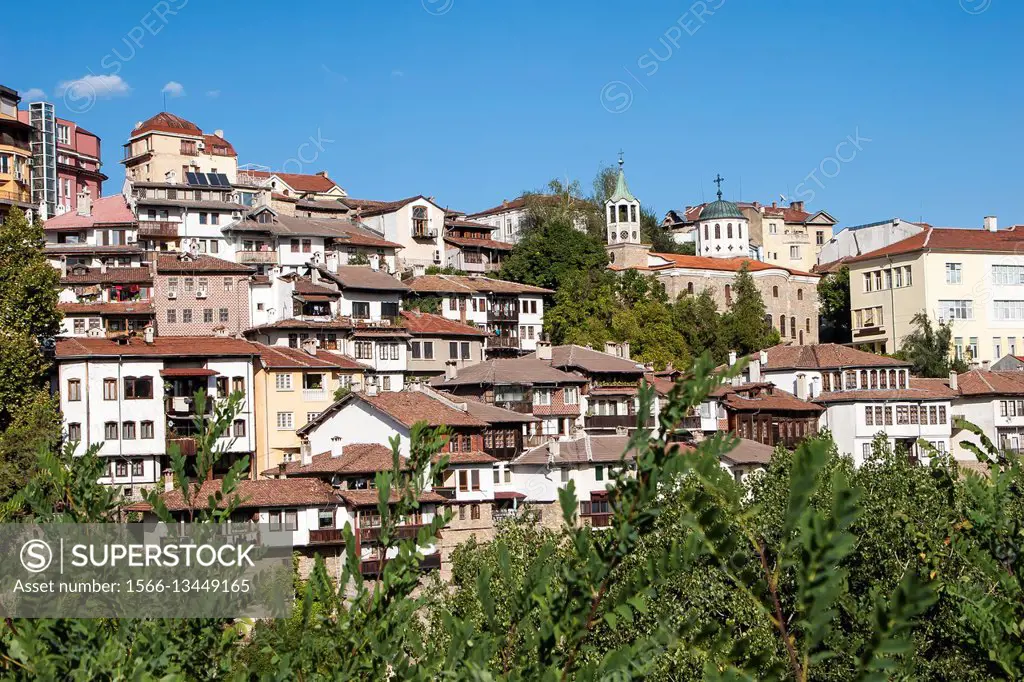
{"x":470,"y":246}
{"x":167,"y":147}
{"x":511,"y":313}
{"x":200,"y":295}
{"x":135,"y":398}
{"x":15,"y":155}
{"x":994,"y":402}
{"x":186,"y":213}
{"x":98,"y":230}
{"x":438,"y":345}
{"x":972,"y":279}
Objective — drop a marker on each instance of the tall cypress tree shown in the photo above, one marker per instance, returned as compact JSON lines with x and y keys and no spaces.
{"x":746,"y":326}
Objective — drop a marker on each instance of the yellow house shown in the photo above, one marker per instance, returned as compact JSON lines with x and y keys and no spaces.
{"x":15,"y":155}
{"x":166,"y":144}
{"x":971,"y":279}
{"x":292,"y":387}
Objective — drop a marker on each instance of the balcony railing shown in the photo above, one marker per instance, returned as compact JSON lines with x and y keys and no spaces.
{"x":184,"y":406}
{"x":258,"y":257}
{"x":502,"y":315}
{"x":446,"y":493}
{"x":691,"y":422}
{"x":401,"y":532}
{"x":503,"y":342}
{"x":326,"y":536}
{"x":158,"y":228}
{"x":374,"y":567}
{"x":610,"y":421}
{"x":187,"y":446}
{"x":520,"y":406}
{"x":315,"y":394}
{"x":597,"y":520}
{"x":23,"y":197}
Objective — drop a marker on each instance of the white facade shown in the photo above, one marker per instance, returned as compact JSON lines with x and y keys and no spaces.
{"x":861,"y":239}
{"x":723,"y":238}
{"x":853,"y":434}
{"x":418,"y":226}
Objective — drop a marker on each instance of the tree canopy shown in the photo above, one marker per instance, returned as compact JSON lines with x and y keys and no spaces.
{"x":834,"y":306}
{"x":928,"y":348}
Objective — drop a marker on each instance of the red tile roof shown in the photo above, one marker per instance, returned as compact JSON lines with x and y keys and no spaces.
{"x":824,"y":356}
{"x":358,"y":458}
{"x":306,"y":286}
{"x":180,"y":262}
{"x":218,"y":146}
{"x":479,"y":243}
{"x":461,"y":222}
{"x":300,"y":182}
{"x":409,"y":407}
{"x":763,"y":396}
{"x":112,"y":210}
{"x":524,"y":371}
{"x":676,"y":260}
{"x":950,"y":239}
{"x":165,"y":122}
{"x":749,"y":452}
{"x":285,"y":357}
{"x":983,"y":382}
{"x":462,"y":284}
{"x":108,"y":308}
{"x":162,"y":346}
{"x":370,"y":498}
{"x":919,"y":389}
{"x":129,"y":275}
{"x":284,"y":492}
{"x":371,"y":207}
{"x":427,"y":324}
{"x":467,"y":458}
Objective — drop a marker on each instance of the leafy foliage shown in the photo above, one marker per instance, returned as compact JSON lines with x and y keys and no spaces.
{"x":928,"y":348}
{"x":745,"y":324}
{"x":834,"y":310}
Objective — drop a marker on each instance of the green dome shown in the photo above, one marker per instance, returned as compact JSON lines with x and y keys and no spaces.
{"x":721,"y":210}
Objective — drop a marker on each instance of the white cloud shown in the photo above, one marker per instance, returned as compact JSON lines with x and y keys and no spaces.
{"x":101,"y":86}
{"x":397,"y":74}
{"x":174,"y":89}
{"x":213,"y":93}
{"x":32,"y":95}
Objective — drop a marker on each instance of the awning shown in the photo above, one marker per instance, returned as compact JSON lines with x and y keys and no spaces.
{"x":314,"y":298}
{"x":509,"y":495}
{"x":187,"y":372}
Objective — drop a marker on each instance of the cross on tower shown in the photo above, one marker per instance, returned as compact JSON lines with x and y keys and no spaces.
{"x":620,"y":159}
{"x":718,"y":181}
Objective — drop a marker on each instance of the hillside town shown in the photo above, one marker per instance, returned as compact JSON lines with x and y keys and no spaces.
{"x":345,"y":321}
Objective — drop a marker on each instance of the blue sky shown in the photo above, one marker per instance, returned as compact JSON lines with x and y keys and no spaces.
{"x":472,"y":101}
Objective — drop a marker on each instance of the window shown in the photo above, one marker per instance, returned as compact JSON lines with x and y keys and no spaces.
{"x":888,"y":279}
{"x":898,"y":277}
{"x":462,"y":512}
{"x":419,"y":221}
{"x":474,"y":479}
{"x":137,"y":388}
{"x":869,"y":416}
{"x":294,"y":246}
{"x":386,"y":383}
{"x":203,"y":218}
{"x":110,"y":431}
{"x":996,"y":348}
{"x":63,"y":134}
{"x":453,"y":350}
{"x":564,"y":474}
{"x":549,"y":427}
{"x":74,"y":390}
{"x":942,"y":414}
{"x":214,"y":220}
{"x":959,"y":310}
{"x":291,"y":519}
{"x":878,"y":416}
{"x":902,"y":414}
{"x":285,"y":421}
{"x":954,"y":273}
{"x":958,"y":347}
{"x":146,"y":428}
{"x":414,"y":348}
{"x":464,"y":348}
{"x":865,"y":449}
{"x":229,"y":284}
{"x":74,"y":432}
{"x":363,"y":350}
{"x":972,"y":347}
{"x":819,"y":237}
{"x":599,"y":473}
{"x":1008,"y":310}
{"x":239,"y":428}
{"x":208,"y":315}
{"x":307,"y":245}
{"x":1008,"y":275}
{"x":542,"y":396}
{"x":1011,"y":345}
{"x":110,"y":389}
{"x":186,"y":315}
{"x":361,"y":310}
{"x":223,"y":314}
{"x":474,"y":510}
{"x":128,"y":431}
{"x":428,"y":350}
{"x":914,"y":414}
{"x":728,"y":294}
{"x":463,"y":482}
{"x":933,"y":415}
{"x":572,"y":395}
{"x":274,"y":519}
{"x":172,"y":316}
{"x":718,"y":231}
{"x":794,"y":253}
{"x":908,"y":281}
{"x":121,"y":468}
{"x":283,"y":382}
{"x":888,"y":416}
{"x":867,"y":282}
{"x":775,"y":292}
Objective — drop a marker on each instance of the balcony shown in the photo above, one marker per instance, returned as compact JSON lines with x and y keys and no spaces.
{"x":184,"y":406}
{"x":691,"y":422}
{"x":187,"y":446}
{"x":503,"y":315}
{"x":158,"y":228}
{"x":520,"y":406}
{"x":446,"y":493}
{"x":406,"y":532}
{"x":327,"y":536}
{"x":610,"y":421}
{"x":596,"y":520}
{"x":372,"y":568}
{"x":424,"y":233}
{"x":256,"y":257}
{"x":503,"y":342}
{"x":16,"y":197}
{"x":316,"y":395}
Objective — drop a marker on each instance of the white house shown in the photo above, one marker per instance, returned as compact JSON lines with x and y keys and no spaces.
{"x":416,"y":223}
{"x":134,"y":397}
{"x":994,"y":402}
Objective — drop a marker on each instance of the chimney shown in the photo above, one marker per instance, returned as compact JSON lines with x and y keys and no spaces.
{"x":103,"y":266}
{"x":218,"y":133}
{"x":985,"y":365}
{"x":609,"y":347}
{"x":85,"y":202}
{"x":732,"y":358}
{"x":323,"y":174}
{"x":625,"y":350}
{"x":797,"y":205}
{"x":555,"y":448}
{"x":801,"y":386}
{"x":374,"y":261}
{"x":63,"y":266}
{"x":953,"y":382}
{"x":168,"y":476}
{"x":774,"y":205}
{"x":309,"y":346}
{"x":147,"y":334}
{"x":449,"y":370}
{"x":331,"y":260}
{"x":337,"y":448}
{"x":763,"y":358}
{"x":306,"y":453}
{"x":314,"y":275}
{"x":504,"y":203}
{"x":991,"y":223}
{"x":754,"y":368}
{"x":544,"y":351}
{"x":371,"y":388}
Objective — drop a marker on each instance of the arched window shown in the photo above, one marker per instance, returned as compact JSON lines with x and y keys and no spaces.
{"x":863,"y":378}
{"x":689,"y":287}
{"x":775,"y":292}
{"x":883,"y":379}
{"x":826,"y":382}
{"x":874,"y":378}
{"x":611,"y":214}
{"x":807,"y":325}
{"x":728,"y":230}
{"x":739,"y":230}
{"x":892,"y":378}
{"x":718,"y":231}
{"x":903,"y":379}
{"x":728,"y":294}
{"x":632,"y":213}
{"x":705,"y":230}
{"x":800,"y":297}
{"x":623,"y":215}
{"x":792,"y":327}
{"x":782,"y":325}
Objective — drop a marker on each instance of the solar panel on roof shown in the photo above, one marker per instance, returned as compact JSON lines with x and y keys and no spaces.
{"x":214,"y":179}
{"x":191,"y":178}
{"x":223,"y":179}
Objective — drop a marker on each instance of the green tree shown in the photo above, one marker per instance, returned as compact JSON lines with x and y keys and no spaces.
{"x":746,"y":327}
{"x":647,"y":325}
{"x":28,"y":284}
{"x":549,"y":252}
{"x":582,"y":310}
{"x":703,"y":327}
{"x":834,"y":302}
{"x":928,"y":348}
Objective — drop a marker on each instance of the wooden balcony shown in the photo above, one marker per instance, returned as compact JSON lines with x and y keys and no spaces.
{"x":16,"y":197}
{"x":596,"y":520}
{"x":327,"y":536}
{"x":187,"y":446}
{"x":520,"y":406}
{"x":256,"y":257}
{"x":503,"y":342}
{"x":401,"y":532}
{"x":503,"y":315}
{"x":159,"y":229}
{"x":372,"y":568}
{"x":610,"y":421}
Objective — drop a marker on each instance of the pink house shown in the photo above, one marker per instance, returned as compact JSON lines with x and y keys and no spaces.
{"x":78,"y":163}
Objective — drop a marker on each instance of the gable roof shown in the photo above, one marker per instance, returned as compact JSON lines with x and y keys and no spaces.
{"x":125,"y":275}
{"x":354,"y":459}
{"x":596,"y":449}
{"x":524,"y":371}
{"x":950,"y":239}
{"x":406,"y":407}
{"x":427,"y":324}
{"x":371,"y":207}
{"x":112,"y":210}
{"x":824,"y":356}
{"x":676,"y":260}
{"x":590,"y":360}
{"x":162,"y":346}
{"x":363,"y":278}
{"x":979,"y":382}
{"x":285,"y":357}
{"x":283,"y":492}
{"x":300,"y":182}
{"x":762,"y":396}
{"x":749,"y":452}
{"x":919,"y":389}
{"x":180,"y":262}
{"x":466,"y":284}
